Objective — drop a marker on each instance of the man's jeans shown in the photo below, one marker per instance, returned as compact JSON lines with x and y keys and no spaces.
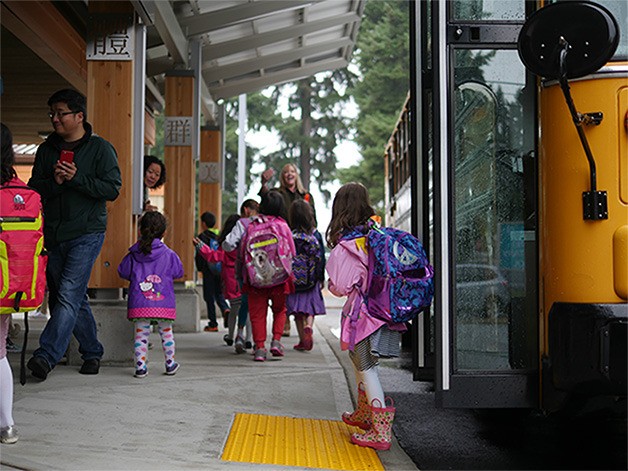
{"x":69,"y":267}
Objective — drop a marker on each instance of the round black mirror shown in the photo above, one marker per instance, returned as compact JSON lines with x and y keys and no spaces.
{"x":590,"y":30}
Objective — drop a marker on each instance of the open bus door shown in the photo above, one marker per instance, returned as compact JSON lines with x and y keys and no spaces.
{"x":477,"y":180}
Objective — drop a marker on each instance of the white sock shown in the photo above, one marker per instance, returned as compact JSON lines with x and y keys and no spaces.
{"x":372,"y":385}
{"x":6,"y":394}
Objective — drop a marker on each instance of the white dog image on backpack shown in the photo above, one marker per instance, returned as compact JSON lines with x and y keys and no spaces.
{"x":264,"y":269}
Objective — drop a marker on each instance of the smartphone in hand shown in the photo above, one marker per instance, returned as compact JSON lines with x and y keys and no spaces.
{"x":67,"y":156}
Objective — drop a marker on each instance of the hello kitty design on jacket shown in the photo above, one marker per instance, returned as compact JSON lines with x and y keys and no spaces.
{"x":150,"y":288}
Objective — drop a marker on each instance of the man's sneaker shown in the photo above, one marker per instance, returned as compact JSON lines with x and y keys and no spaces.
{"x":211,"y":328}
{"x":276,"y":349}
{"x":248,"y":345}
{"x":172,"y":369}
{"x":39,"y":367}
{"x":239,"y":344}
{"x":13,"y":347}
{"x":8,"y":435}
{"x":143,"y":373}
{"x":228,"y":340}
{"x":90,"y":367}
{"x":260,"y":354}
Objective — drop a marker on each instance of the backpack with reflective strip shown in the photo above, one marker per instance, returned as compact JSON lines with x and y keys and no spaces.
{"x":22,"y":255}
{"x":266,"y":253}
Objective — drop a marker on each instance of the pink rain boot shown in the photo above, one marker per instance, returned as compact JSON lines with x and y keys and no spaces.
{"x":361,"y":417}
{"x":380,"y":433}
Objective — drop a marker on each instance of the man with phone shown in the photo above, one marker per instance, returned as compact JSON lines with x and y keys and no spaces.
{"x":76,"y":172}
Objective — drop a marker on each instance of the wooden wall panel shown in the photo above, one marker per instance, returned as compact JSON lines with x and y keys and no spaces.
{"x":109,"y":110}
{"x":46,"y":32}
{"x":180,"y":189}
{"x":210,"y":194}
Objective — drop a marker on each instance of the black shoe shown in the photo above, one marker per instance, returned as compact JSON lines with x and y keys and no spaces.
{"x":228,"y":340}
{"x":39,"y":367}
{"x":248,"y":345}
{"x":90,"y":367}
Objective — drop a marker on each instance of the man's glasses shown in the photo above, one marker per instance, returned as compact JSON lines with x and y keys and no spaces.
{"x":60,"y":114}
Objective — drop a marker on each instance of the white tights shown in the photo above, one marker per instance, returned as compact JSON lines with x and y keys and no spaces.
{"x":6,"y":394}
{"x":372,"y":385}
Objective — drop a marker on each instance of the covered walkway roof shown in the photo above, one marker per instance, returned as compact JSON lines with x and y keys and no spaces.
{"x":246,"y":45}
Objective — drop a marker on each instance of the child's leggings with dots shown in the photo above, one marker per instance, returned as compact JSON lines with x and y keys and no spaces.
{"x":142,"y":332}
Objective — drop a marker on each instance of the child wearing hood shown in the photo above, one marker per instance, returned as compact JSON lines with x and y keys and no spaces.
{"x":151,"y":267}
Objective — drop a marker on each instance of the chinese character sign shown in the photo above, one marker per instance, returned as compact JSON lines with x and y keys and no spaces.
{"x":110,"y":37}
{"x":178,"y":131}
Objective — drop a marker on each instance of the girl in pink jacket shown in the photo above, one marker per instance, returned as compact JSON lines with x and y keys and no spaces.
{"x":366,"y":337}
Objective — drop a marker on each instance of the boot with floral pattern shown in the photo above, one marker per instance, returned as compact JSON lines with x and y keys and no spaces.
{"x":380,"y":433}
{"x":361,"y":417}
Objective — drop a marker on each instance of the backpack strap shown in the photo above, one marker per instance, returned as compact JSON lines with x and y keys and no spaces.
{"x":23,"y":353}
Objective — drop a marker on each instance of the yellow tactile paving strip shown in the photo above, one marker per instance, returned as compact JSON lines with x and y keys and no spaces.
{"x":290,"y":441}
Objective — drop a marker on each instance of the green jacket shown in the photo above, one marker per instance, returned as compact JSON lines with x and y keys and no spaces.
{"x":76,"y":207}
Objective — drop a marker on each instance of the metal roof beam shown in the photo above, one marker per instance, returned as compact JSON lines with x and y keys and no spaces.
{"x":214,"y":20}
{"x":168,"y":27}
{"x":272,"y":60}
{"x":226,"y":48}
{"x":248,"y":85}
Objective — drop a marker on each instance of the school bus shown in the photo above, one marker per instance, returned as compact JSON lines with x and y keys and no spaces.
{"x":510,"y":162}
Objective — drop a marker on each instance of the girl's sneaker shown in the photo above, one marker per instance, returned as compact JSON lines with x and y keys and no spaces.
{"x":260,"y":354}
{"x":172,"y":369}
{"x":299,"y":346}
{"x":239,"y":344}
{"x":8,"y":435}
{"x":276,"y":349}
{"x":141,"y":373}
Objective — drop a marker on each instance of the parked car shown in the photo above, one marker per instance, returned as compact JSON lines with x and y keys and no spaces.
{"x":482,"y":290}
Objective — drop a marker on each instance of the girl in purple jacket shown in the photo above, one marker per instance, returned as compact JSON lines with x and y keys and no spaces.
{"x":151,"y":267}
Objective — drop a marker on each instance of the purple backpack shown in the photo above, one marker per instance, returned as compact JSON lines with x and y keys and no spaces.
{"x":306,"y":262}
{"x":401,"y":280}
{"x":266,"y":253}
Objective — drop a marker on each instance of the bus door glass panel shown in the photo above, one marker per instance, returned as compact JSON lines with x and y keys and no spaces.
{"x":489,"y":212}
{"x":482,"y":10}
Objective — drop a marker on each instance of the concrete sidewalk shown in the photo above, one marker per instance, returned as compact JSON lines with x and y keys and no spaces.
{"x":114,"y":421}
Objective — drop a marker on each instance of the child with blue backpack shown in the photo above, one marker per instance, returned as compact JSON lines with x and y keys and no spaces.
{"x":366,"y":337}
{"x":308,"y":267}
{"x":230,"y":282}
{"x":212,"y":287}
{"x":151,"y":268}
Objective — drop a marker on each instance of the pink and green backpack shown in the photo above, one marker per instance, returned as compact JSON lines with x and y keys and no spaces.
{"x":22,"y":255}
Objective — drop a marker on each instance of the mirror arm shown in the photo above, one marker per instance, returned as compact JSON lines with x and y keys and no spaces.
{"x":595,"y":205}
{"x":578,"y":119}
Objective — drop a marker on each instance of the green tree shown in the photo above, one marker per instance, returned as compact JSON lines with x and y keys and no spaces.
{"x":312,"y":128}
{"x":382,"y":57}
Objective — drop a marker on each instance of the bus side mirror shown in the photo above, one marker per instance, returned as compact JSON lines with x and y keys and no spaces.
{"x":567,"y":40}
{"x":590,"y":30}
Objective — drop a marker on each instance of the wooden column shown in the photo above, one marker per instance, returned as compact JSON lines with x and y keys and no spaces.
{"x":180,"y":189}
{"x":210,"y":194}
{"x":109,"y":110}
